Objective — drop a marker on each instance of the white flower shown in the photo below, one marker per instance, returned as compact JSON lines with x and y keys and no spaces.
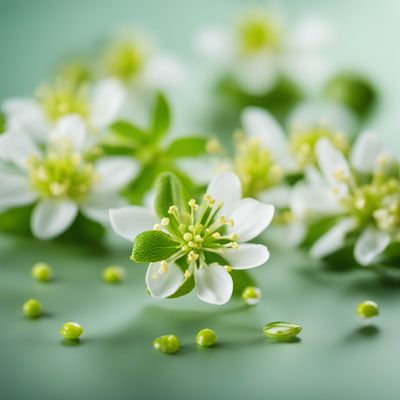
{"x":220,"y":225}
{"x":98,"y":105}
{"x":259,"y":49}
{"x":367,"y":207}
{"x":56,"y":177}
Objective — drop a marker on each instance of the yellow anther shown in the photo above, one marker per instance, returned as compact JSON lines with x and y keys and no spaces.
{"x":187,"y":274}
{"x":185,"y":247}
{"x":230,"y":222}
{"x":192,"y":256}
{"x":172,"y":210}
{"x":198,"y":238}
{"x":191,"y":228}
{"x":233,"y":237}
{"x":216,"y":235}
{"x":340,"y":175}
{"x":191,"y":244}
{"x":222,"y":219}
{"x":193,"y":205}
{"x":163,"y":267}
{"x":234,"y":245}
{"x":157,"y":227}
{"x":182,"y":227}
{"x":213,"y":146}
{"x":57,"y":189}
{"x":209,"y":200}
{"x":165,"y":221}
{"x":360,"y":203}
{"x":187,"y":236}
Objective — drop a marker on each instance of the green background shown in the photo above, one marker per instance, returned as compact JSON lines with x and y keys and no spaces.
{"x":338,"y":357}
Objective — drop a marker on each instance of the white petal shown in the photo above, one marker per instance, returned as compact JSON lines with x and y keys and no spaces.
{"x":314,"y":200}
{"x":256,"y":74}
{"x":365,"y":152}
{"x":225,"y":187}
{"x":16,"y":147}
{"x":260,"y":123}
{"x":116,"y":172}
{"x":215,"y":44}
{"x":278,"y":196}
{"x":309,"y":114}
{"x":128,"y":222}
{"x":251,"y":217}
{"x":331,"y":161}
{"x":97,"y":206}
{"x":26,"y":115}
{"x":72,"y":129}
{"x":50,"y":218}
{"x":14,"y":190}
{"x":214,"y":284}
{"x":332,"y":240}
{"x":163,"y":71}
{"x":163,"y":284}
{"x":369,"y":245}
{"x":248,"y":255}
{"x":107,"y":99}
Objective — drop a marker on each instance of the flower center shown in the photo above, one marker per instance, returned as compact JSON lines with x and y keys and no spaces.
{"x":61,"y":174}
{"x":303,"y":142}
{"x":62,"y":99}
{"x":125,"y":59}
{"x":199,"y":231}
{"x":255,"y":166}
{"x":258,"y":32}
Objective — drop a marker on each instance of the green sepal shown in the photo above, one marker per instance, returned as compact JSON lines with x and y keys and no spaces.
{"x":161,"y":117}
{"x":169,"y":191}
{"x":153,"y":246}
{"x":127,"y":131}
{"x":190,"y":146}
{"x":186,"y":287}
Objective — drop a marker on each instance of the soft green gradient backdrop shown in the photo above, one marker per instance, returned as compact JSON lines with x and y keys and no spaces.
{"x":335,"y":359}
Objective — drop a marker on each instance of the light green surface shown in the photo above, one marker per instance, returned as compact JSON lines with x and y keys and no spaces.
{"x":336,"y":358}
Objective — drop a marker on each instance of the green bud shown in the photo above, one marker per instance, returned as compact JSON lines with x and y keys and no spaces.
{"x":167,"y":344}
{"x":113,"y":274}
{"x":368,"y":309}
{"x":71,"y":330}
{"x":32,"y":308}
{"x":251,"y":295}
{"x":206,"y":338}
{"x":42,"y":272}
{"x":282,"y":331}
{"x":352,"y":90}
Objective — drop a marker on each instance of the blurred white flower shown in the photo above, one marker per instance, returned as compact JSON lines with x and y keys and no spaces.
{"x":56,"y":177}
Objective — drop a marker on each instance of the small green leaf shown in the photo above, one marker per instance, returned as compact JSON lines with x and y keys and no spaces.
{"x":186,"y":287}
{"x":169,"y":191}
{"x":127,"y":130}
{"x":161,"y":118}
{"x":2,"y":123}
{"x":191,"y":146}
{"x":152,"y":246}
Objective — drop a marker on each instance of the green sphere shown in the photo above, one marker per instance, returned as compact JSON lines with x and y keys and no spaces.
{"x":32,"y":308}
{"x":113,"y":274}
{"x":206,"y":338}
{"x":71,"y":330}
{"x":251,"y":295}
{"x":282,"y":331}
{"x":368,"y":309}
{"x":352,"y":90}
{"x":42,"y":272}
{"x":167,"y":344}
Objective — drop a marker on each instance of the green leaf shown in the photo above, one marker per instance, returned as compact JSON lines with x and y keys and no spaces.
{"x":169,"y":191}
{"x":127,"y":130}
{"x":161,"y":118}
{"x":2,"y":123}
{"x":186,"y":287}
{"x":152,"y":246}
{"x":191,"y":146}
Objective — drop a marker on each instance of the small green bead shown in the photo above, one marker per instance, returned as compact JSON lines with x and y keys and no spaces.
{"x":42,"y":272}
{"x":71,"y":330}
{"x":251,"y":295}
{"x":113,"y":274}
{"x":167,"y":344}
{"x":368,"y":309}
{"x":282,"y":331}
{"x":206,"y":338}
{"x":32,"y":308}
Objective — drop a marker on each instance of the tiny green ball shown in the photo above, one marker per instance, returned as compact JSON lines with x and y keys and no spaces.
{"x":206,"y":338}
{"x":32,"y":308}
{"x":71,"y":330}
{"x":113,"y":274}
{"x":42,"y":272}
{"x":282,"y":331}
{"x":167,"y":344}
{"x":368,"y":309}
{"x":251,"y":295}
